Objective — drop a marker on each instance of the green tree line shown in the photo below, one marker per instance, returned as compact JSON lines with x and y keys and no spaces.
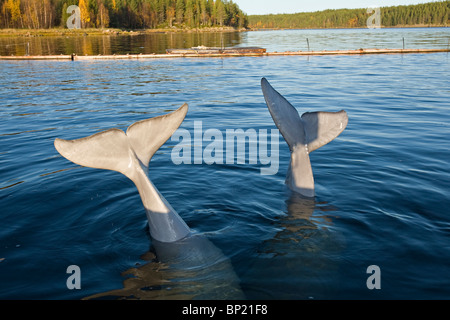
{"x":133,"y":14}
{"x":432,"y":13}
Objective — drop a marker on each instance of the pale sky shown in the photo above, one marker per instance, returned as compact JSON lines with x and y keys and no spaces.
{"x":292,"y":6}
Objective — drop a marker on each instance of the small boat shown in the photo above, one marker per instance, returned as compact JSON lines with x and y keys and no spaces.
{"x":216,"y":50}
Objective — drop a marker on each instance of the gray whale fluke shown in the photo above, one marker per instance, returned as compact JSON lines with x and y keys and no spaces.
{"x":303,"y":135}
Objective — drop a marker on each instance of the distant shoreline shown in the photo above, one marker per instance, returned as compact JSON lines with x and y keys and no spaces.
{"x":115,"y":31}
{"x":336,"y":28}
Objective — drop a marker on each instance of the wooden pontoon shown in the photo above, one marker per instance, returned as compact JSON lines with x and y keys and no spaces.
{"x":214,"y":50}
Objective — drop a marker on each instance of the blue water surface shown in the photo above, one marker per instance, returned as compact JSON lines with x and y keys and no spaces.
{"x":382,"y":187}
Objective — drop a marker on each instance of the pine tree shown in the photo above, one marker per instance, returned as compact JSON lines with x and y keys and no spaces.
{"x":203,"y":13}
{"x":102,"y":16}
{"x":220,"y":12}
{"x":197,"y":13}
{"x":170,"y":13}
{"x":180,"y":11}
{"x":189,"y":13}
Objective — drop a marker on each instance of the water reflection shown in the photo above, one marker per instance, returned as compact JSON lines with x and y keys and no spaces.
{"x":115,"y":44}
{"x":193,"y":268}
{"x":303,"y":249}
{"x":280,"y":40}
{"x":300,"y":226}
{"x":149,"y":281}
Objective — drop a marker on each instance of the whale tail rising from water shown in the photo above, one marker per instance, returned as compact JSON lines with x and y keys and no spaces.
{"x":130,"y":153}
{"x":303,"y":135}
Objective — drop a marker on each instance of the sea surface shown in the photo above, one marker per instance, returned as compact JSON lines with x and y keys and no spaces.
{"x":378,"y":228}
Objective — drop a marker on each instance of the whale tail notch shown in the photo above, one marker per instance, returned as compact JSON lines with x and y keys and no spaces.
{"x":116,"y":150}
{"x":302,"y":134}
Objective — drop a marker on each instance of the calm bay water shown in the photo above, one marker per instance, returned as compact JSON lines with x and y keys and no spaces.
{"x":280,"y":40}
{"x":382,"y":187}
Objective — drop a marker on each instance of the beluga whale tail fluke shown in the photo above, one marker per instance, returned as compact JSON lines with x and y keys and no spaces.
{"x":130,"y":153}
{"x":303,"y":134}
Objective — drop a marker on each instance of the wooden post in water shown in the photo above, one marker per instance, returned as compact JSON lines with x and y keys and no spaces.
{"x":307,"y":41}
{"x":448,"y":46}
{"x":403,"y":43}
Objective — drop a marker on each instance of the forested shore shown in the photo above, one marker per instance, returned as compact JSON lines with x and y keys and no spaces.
{"x":124,"y":14}
{"x":426,"y":14}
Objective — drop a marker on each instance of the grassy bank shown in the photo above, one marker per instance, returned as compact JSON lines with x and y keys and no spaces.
{"x":107,"y":31}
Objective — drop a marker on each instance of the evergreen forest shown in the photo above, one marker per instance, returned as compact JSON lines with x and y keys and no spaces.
{"x":131,"y":14}
{"x":152,"y":14}
{"x":426,"y":14}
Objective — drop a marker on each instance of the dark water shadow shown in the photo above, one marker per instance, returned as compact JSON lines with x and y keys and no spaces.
{"x":193,"y":269}
{"x":298,"y":262}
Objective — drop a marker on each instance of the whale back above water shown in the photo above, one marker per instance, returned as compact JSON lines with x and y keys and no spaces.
{"x":303,"y":135}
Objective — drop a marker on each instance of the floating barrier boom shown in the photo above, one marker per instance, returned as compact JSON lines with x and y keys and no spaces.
{"x":217,"y":52}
